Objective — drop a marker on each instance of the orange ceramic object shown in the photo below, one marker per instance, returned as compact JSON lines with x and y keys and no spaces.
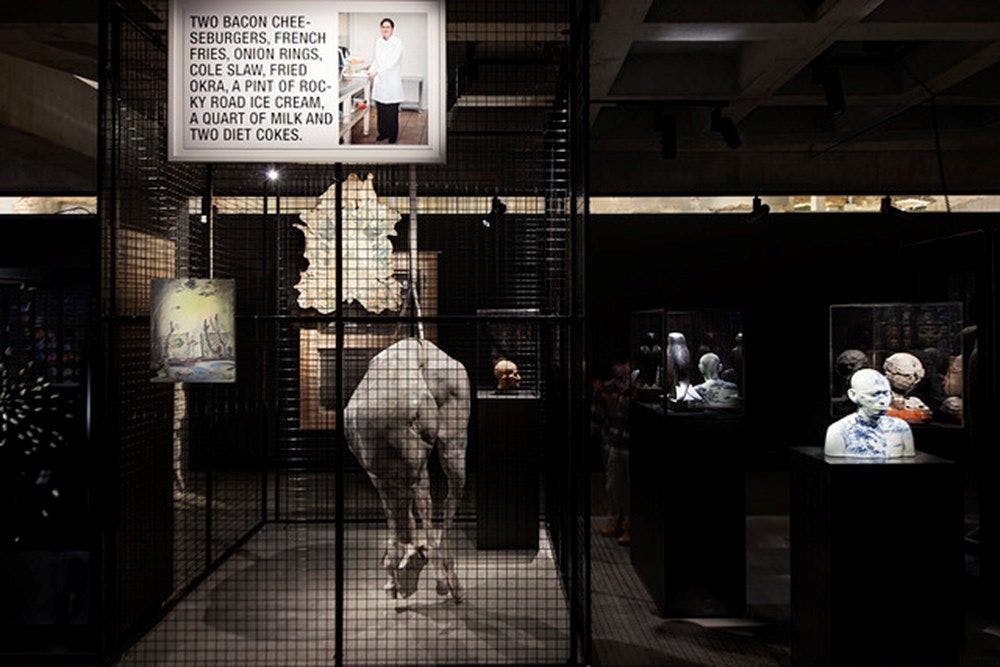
{"x":911,"y":416}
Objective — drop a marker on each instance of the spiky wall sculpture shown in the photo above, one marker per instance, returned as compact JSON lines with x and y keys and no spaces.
{"x":31,"y":415}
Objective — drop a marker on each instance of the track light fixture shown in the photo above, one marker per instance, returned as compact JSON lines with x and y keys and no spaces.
{"x":759,"y":212}
{"x":726,"y":128}
{"x":497,"y":209}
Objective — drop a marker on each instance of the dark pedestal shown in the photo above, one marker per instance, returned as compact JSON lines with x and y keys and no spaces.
{"x":876,"y":560}
{"x":688,"y":511}
{"x":47,"y":604}
{"x":507,"y":471}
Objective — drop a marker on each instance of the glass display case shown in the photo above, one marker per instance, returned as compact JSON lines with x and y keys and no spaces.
{"x":917,"y":346}
{"x":703,"y":360}
{"x":508,"y":352}
{"x":692,"y":360}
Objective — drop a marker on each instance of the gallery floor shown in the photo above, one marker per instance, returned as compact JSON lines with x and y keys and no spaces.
{"x":273,"y":603}
{"x":628,"y":631}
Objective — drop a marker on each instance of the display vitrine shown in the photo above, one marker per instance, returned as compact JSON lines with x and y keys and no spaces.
{"x":917,"y":346}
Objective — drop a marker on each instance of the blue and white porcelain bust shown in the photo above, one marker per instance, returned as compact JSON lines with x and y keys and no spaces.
{"x":868,"y":433}
{"x":716,"y":393}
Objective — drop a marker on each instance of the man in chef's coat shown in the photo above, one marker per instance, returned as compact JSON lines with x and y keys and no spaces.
{"x":387,"y":80}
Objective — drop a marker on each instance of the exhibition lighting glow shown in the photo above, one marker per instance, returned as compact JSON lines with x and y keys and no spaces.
{"x":272,"y":174}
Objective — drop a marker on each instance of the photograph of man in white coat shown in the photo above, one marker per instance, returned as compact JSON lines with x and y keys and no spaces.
{"x":386,"y":74}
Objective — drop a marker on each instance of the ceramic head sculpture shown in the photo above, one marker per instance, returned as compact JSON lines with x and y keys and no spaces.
{"x":710,"y":366}
{"x":850,"y":362}
{"x":905,"y":372}
{"x":714,"y":391}
{"x":869,"y":432}
{"x":507,"y":375}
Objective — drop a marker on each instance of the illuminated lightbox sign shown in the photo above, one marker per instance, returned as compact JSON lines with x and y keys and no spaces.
{"x":307,"y":81}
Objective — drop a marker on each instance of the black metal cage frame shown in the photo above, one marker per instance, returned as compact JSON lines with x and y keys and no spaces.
{"x":190,"y":475}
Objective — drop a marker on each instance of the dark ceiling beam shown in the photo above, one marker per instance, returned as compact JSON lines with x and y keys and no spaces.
{"x":896,"y":141}
{"x":807,"y":30}
{"x":66,"y":46}
{"x":869,"y":120}
{"x":33,"y":165}
{"x":41,"y":11}
{"x":766,"y":66}
{"x":610,"y":42}
{"x":48,"y":103}
{"x":795,"y":100}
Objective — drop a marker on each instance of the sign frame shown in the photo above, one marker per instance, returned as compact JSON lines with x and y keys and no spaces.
{"x":435,"y":152}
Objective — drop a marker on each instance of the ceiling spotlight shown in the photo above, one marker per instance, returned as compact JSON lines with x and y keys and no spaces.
{"x":497,"y":209}
{"x":726,"y":128}
{"x":272,"y":174}
{"x":833,"y":87}
{"x":759,"y":212}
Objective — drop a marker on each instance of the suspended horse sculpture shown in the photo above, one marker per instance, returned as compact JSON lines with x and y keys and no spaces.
{"x":412,"y":398}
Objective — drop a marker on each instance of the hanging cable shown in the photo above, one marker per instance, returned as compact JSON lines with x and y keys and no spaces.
{"x":939,"y":154}
{"x":931,"y":97}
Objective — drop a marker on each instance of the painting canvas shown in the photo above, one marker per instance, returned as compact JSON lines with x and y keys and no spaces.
{"x":192,"y":330}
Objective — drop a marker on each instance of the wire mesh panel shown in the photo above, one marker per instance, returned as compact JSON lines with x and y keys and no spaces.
{"x":171,"y":520}
{"x":144,"y":204}
{"x":392,"y":478}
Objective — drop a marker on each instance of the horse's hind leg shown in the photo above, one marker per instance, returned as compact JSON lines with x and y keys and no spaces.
{"x":451,"y":450}
{"x":423,"y":504}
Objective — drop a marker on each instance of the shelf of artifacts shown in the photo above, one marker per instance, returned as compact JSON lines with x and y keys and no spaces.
{"x":317,"y":348}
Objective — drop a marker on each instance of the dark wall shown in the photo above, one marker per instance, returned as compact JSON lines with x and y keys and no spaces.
{"x":60,"y":246}
{"x":784,"y":271}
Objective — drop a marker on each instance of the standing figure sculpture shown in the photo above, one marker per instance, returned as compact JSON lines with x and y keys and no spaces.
{"x":650,"y":358}
{"x":412,"y":398}
{"x":679,"y":370}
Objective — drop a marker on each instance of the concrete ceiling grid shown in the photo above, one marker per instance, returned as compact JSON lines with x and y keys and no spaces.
{"x":755,"y":61}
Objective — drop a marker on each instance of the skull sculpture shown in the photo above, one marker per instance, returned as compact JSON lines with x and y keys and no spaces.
{"x":508,"y":377}
{"x":904,"y":371}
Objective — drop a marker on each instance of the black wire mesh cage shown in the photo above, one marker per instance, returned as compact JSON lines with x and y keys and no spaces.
{"x":349,"y":496}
